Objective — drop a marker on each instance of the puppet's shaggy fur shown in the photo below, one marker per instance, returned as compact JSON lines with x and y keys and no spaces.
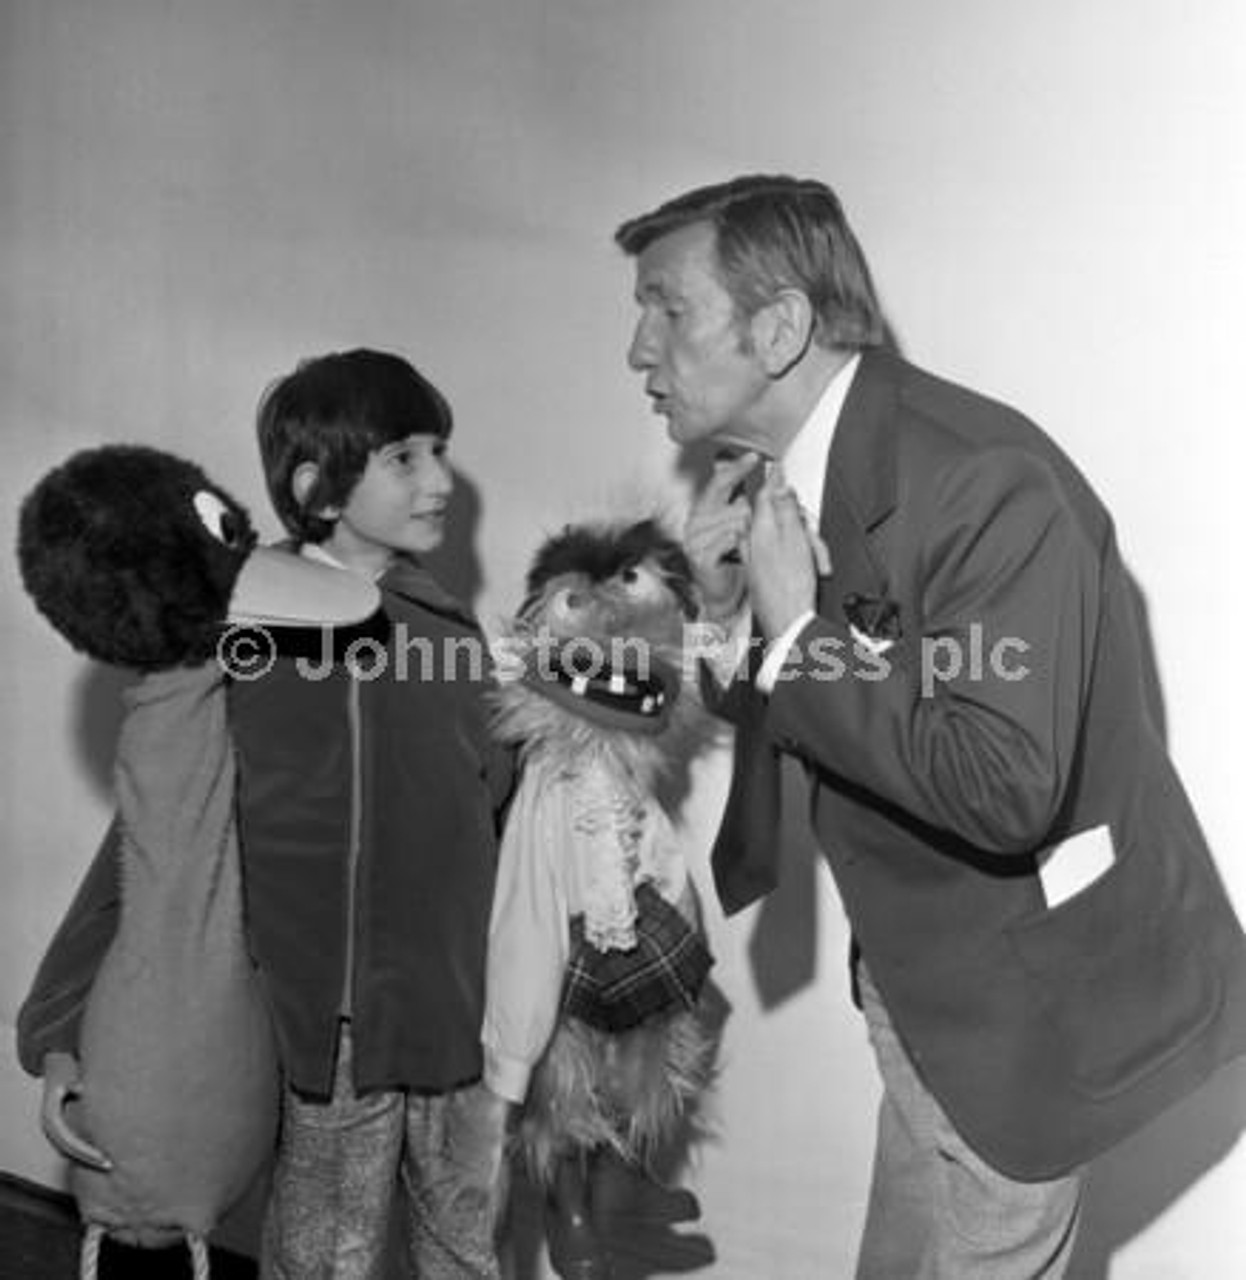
{"x":114,"y":556}
{"x":618,"y":590}
{"x":631,"y":1092}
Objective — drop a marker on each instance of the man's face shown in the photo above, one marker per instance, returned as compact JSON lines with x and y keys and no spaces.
{"x":699,"y":365}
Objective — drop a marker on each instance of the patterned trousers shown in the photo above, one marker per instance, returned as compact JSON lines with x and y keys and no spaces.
{"x":343,"y":1165}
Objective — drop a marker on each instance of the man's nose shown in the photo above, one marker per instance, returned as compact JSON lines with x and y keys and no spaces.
{"x":640,"y":355}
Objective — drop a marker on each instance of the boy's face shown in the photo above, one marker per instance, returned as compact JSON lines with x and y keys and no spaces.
{"x":398,"y":504}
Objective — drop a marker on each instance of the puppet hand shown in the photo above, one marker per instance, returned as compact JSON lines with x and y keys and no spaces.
{"x":504,"y":1112}
{"x":61,"y":1085}
{"x":715,"y":533}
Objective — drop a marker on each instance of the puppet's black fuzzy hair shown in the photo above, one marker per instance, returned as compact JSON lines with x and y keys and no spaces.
{"x":116,"y":557}
{"x":602,"y":551}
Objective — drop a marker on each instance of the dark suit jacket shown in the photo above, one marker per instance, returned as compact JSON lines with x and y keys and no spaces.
{"x":1046,"y":1034}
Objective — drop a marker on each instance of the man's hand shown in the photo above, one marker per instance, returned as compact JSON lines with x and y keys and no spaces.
{"x":784,"y":558}
{"x":715,"y":534}
{"x":62,"y":1084}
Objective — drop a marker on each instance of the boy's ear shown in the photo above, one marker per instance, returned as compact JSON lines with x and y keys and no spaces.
{"x":303,"y":485}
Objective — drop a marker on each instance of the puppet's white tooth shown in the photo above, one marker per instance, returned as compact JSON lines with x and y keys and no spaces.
{"x":646,"y":705}
{"x":579,"y":686}
{"x":618,"y":684}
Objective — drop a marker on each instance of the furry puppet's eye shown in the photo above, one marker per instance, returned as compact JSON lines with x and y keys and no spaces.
{"x":641,"y":582}
{"x":220,"y":520}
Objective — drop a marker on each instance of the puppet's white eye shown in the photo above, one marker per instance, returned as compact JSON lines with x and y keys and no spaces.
{"x":220,"y":520}
{"x":641,"y":582}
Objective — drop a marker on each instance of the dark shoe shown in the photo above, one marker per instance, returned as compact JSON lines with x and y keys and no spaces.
{"x":584,"y":1269}
{"x":576,"y":1251}
{"x":622,"y":1190}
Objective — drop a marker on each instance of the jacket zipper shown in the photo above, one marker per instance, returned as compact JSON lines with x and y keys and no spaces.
{"x":352,"y":854}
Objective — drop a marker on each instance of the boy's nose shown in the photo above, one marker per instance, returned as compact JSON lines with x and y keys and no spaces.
{"x":443,"y":481}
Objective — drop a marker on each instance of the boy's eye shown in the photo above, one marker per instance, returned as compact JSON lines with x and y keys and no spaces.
{"x":408,"y":456}
{"x":401,"y":459}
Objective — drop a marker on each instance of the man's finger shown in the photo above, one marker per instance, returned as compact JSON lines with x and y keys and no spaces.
{"x":731,"y":471}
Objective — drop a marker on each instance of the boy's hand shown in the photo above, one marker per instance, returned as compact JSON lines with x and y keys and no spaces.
{"x":716,"y":533}
{"x":61,"y":1085}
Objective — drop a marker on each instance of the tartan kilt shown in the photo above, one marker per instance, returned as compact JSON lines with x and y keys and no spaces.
{"x":664,"y":972}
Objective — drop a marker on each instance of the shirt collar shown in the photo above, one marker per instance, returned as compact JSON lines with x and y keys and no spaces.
{"x":316,"y":551}
{"x":804,"y":463}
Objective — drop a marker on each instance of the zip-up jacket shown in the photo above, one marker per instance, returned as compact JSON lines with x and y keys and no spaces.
{"x":367,"y":802}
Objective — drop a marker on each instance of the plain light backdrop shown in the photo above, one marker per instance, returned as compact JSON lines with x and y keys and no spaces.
{"x":1052,"y":196}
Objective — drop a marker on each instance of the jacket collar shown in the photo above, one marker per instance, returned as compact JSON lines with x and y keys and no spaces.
{"x":862,"y":460}
{"x":408,"y":578}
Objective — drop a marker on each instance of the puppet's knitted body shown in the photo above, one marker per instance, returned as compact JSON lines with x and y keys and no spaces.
{"x":179,"y":1072}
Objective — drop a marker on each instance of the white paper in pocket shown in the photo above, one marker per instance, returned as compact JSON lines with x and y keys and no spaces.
{"x":1076,"y":863}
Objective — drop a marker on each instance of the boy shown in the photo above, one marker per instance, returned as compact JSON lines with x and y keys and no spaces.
{"x":368,"y":795}
{"x":367,"y":803}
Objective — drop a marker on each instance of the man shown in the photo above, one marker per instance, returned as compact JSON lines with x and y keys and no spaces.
{"x":1044,"y":954}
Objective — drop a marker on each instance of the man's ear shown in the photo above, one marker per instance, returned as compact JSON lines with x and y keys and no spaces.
{"x":782,"y":331}
{"x":303,"y":485}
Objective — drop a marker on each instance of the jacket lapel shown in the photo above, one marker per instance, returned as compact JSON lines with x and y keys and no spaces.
{"x":409,"y":578}
{"x":860,"y":489}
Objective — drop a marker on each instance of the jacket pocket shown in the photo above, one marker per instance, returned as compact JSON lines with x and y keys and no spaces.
{"x":1118,"y":969}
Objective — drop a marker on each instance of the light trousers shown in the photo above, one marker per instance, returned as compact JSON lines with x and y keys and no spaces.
{"x":342,"y":1165}
{"x":937,"y":1210}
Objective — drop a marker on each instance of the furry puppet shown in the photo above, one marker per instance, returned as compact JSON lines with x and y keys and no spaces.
{"x":138,"y":559}
{"x":596,"y":1018}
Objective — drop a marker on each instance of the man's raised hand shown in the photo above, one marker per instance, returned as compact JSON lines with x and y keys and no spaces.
{"x":716,"y":536}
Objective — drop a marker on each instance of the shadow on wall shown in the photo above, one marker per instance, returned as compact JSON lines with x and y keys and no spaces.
{"x":456,"y":564}
{"x":1133,"y":1184}
{"x":98,"y":713}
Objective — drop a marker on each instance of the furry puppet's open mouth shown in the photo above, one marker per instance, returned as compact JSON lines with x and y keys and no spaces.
{"x":633,"y":690}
